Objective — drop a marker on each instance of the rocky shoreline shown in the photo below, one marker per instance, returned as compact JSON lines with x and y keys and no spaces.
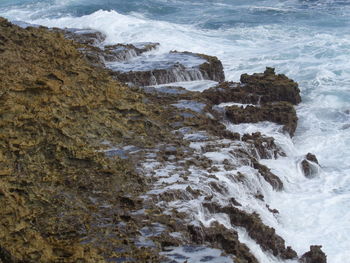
{"x":95,"y":170}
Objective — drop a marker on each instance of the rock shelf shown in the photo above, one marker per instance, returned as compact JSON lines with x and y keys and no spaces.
{"x":94,"y":170}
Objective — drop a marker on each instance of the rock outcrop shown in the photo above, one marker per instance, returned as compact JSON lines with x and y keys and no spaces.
{"x":172,"y":67}
{"x":265,"y":236}
{"x":256,"y":89}
{"x":315,"y":255}
{"x":280,"y":112}
{"x":264,"y":147}
{"x":157,"y":69}
{"x":310,"y":165}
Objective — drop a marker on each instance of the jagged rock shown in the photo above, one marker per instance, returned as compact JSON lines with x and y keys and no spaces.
{"x":315,"y":255}
{"x":273,"y":87}
{"x":171,"y":67}
{"x":280,"y":112}
{"x":309,"y":165}
{"x":270,"y":177}
{"x":222,"y":238}
{"x":265,"y":147}
{"x":256,"y":89}
{"x":265,"y":236}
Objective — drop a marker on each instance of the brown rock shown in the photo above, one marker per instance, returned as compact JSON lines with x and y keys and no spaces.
{"x":308,"y":165}
{"x":270,"y":177}
{"x":264,"y":146}
{"x":57,"y":188}
{"x":211,"y":69}
{"x":273,"y":87}
{"x":315,"y":255}
{"x":281,"y":113}
{"x":265,"y":236}
{"x":256,"y":89}
{"x":224,"y":239}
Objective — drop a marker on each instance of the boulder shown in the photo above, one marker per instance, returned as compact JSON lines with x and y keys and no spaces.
{"x":309,"y":165}
{"x":282,"y":113}
{"x":315,"y":255}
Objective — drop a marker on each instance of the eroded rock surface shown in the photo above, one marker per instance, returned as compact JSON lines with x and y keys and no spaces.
{"x":94,"y":171}
{"x":279,"y":112}
{"x":61,"y":197}
{"x":256,"y":89}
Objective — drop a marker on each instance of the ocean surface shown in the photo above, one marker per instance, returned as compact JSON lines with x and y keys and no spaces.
{"x":308,"y":40}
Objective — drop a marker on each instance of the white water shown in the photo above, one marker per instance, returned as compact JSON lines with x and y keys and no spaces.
{"x":315,"y":211}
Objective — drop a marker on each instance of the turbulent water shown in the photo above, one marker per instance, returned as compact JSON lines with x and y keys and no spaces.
{"x":309,"y":41}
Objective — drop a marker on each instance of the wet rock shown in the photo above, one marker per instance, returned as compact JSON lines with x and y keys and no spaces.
{"x":235,"y":202}
{"x":273,"y":87}
{"x":124,"y":52}
{"x":312,"y":158}
{"x":256,"y":89}
{"x":84,"y":36}
{"x":315,"y":255}
{"x":259,"y":196}
{"x":100,"y":55}
{"x":224,"y":239}
{"x":212,"y":69}
{"x":310,"y":165}
{"x":270,"y":177}
{"x":265,"y":147}
{"x":167,"y":68}
{"x":265,"y":236}
{"x":273,"y":211}
{"x":282,"y":113}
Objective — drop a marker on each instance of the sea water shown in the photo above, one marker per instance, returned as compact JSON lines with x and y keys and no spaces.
{"x":308,"y":40}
